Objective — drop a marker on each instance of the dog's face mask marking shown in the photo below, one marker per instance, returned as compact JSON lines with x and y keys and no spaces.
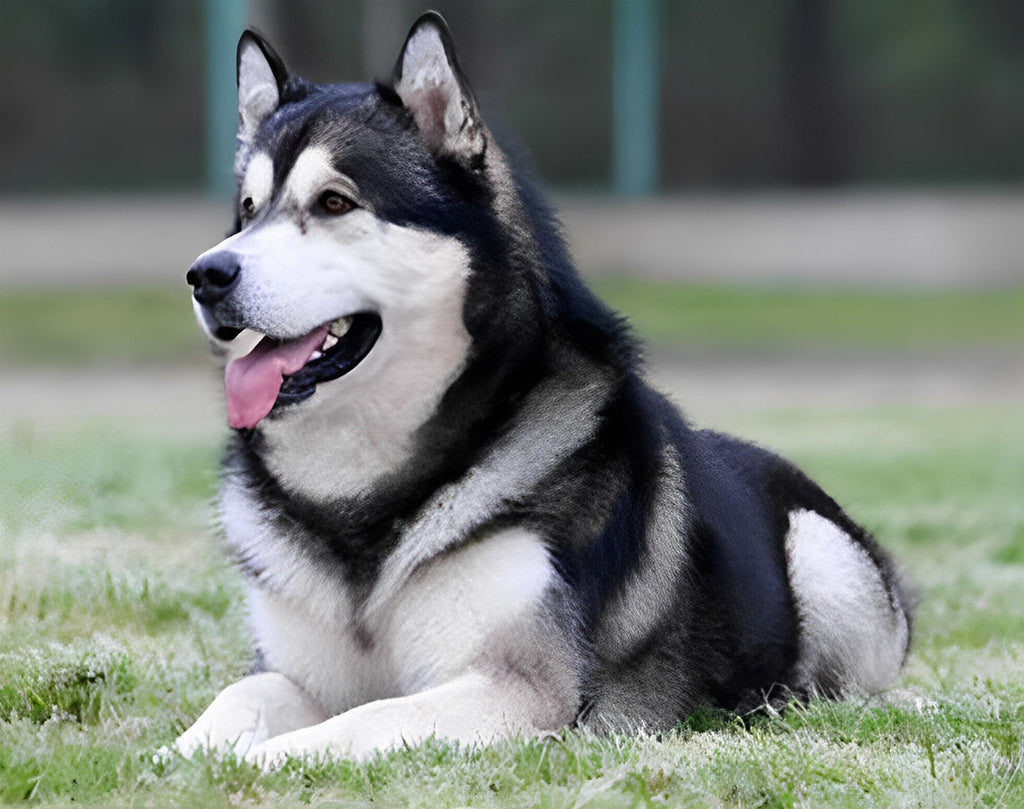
{"x":256,"y":187}
{"x":320,"y":281}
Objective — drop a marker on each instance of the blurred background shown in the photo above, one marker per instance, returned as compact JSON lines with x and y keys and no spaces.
{"x":762,"y":186}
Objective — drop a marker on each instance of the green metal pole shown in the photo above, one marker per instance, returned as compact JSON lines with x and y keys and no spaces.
{"x":224,"y":21}
{"x":635,"y":87}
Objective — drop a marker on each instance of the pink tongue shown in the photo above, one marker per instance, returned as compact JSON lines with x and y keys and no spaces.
{"x":252,"y":382}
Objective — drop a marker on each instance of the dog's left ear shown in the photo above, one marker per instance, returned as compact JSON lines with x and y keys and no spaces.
{"x":432,"y":87}
{"x":261,"y":79}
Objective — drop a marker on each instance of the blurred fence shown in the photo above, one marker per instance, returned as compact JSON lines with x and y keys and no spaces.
{"x":110,"y":94}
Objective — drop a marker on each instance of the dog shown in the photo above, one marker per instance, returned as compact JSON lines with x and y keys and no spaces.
{"x":458,"y":508}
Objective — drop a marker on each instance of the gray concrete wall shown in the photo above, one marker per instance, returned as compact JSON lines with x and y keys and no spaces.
{"x":847,"y":239}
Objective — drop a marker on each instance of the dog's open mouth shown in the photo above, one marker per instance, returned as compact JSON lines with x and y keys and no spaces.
{"x":283,"y":372}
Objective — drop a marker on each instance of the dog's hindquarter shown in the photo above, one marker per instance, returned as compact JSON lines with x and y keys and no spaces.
{"x":776,"y":593}
{"x":852,"y":612}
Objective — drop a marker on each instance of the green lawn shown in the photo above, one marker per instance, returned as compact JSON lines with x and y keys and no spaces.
{"x":781,"y":318}
{"x":120,"y":623}
{"x":67,"y":327}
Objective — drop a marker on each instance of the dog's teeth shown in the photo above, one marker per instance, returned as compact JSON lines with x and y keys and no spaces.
{"x":329,"y":342}
{"x":341,"y":326}
{"x":316,"y":355}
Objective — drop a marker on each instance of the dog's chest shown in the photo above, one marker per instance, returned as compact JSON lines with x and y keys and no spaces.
{"x":321,"y":648}
{"x":452,"y":613}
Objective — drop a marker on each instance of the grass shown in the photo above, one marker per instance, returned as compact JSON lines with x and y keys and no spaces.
{"x":67,"y":327}
{"x":753,"y":318}
{"x":120,"y":623}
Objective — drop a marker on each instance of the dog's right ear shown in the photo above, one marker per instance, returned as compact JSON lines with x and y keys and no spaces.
{"x":261,"y":79}
{"x":428,"y":80}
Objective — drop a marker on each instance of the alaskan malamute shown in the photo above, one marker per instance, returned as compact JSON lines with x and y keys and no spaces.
{"x":458,"y":507}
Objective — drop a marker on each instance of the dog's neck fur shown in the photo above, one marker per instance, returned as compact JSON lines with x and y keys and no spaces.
{"x":446,"y":471}
{"x":340,"y":444}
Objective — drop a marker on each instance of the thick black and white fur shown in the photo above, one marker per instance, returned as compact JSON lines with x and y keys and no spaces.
{"x":490,"y":526}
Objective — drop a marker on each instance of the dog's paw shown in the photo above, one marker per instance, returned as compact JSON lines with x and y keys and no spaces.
{"x":272,"y":755}
{"x":247,"y":713}
{"x":301,"y":746}
{"x":196,"y":738}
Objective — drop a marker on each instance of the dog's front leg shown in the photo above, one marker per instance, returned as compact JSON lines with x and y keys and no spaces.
{"x":249,"y":712}
{"x":470,"y":709}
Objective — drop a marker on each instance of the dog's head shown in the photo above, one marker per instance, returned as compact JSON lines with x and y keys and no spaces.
{"x":361,"y":213}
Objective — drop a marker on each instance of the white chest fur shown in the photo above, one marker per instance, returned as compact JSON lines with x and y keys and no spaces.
{"x":442,"y":623}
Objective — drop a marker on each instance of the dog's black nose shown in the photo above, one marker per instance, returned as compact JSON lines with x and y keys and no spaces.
{"x":213,"y":277}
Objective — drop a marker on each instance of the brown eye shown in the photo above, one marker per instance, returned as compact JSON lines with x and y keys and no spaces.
{"x":333,"y":203}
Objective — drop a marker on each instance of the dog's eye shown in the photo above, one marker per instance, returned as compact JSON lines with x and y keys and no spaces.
{"x":248,"y":206}
{"x":335,"y":204}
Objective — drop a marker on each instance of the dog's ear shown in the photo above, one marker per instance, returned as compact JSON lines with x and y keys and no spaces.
{"x":430,"y":83}
{"x":261,"y":79}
